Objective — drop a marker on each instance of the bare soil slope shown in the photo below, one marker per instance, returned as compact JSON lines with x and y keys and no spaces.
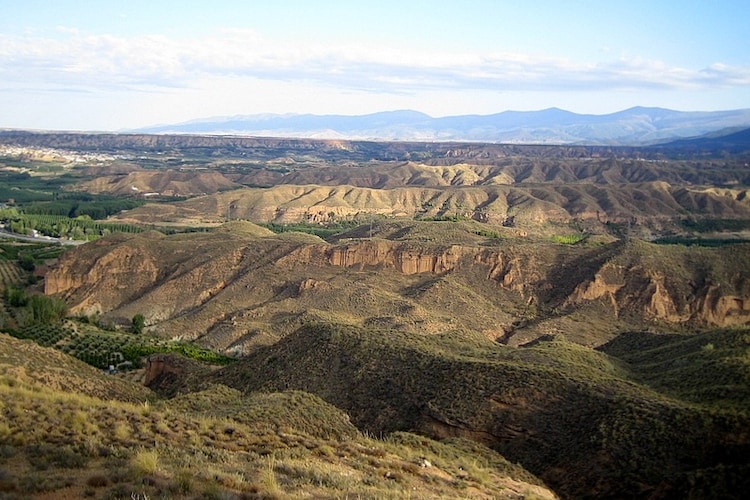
{"x":163,"y":183}
{"x":649,"y":205}
{"x":244,"y":286}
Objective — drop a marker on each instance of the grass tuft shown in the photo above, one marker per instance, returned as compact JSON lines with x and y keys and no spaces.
{"x":145,"y":462}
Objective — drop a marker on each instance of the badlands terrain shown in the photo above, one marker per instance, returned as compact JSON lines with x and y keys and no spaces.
{"x":393,"y":319}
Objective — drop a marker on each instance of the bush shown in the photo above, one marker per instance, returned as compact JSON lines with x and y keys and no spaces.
{"x":15,"y":297}
{"x":27,"y":262}
{"x":39,"y":309}
{"x":47,"y":309}
{"x":568,"y":239}
{"x":138,"y":323}
{"x":145,"y":462}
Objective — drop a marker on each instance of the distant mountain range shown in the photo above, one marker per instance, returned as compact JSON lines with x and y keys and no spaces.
{"x":634,"y":126}
{"x":726,"y":140}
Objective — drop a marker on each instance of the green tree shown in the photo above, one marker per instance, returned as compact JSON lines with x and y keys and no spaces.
{"x":15,"y":297}
{"x":26,"y":262}
{"x":138,"y":323}
{"x":47,"y":310}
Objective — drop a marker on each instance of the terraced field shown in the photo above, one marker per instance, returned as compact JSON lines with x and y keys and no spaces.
{"x":10,"y":273}
{"x":101,"y":348}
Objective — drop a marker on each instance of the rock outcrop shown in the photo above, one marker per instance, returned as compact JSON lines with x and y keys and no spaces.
{"x":725,"y":310}
{"x":404,"y":258}
{"x":237,"y":285}
{"x":685,"y":296}
{"x":126,"y":266}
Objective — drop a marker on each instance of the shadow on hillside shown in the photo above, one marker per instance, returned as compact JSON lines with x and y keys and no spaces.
{"x":628,"y":342}
{"x":566,"y":274}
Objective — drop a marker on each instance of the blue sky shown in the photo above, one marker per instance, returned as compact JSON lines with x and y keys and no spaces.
{"x":113,"y":65}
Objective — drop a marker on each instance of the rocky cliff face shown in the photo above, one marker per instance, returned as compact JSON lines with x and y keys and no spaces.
{"x":406,"y":259}
{"x":629,"y":289}
{"x":672,"y":294}
{"x":726,"y":310}
{"x":125,"y":268}
{"x":169,"y":372}
{"x":226,"y":287}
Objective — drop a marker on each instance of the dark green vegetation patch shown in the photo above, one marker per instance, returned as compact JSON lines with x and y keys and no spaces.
{"x":551,"y":406}
{"x":101,"y":348}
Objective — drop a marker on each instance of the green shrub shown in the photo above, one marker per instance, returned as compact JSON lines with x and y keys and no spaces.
{"x":568,"y":239}
{"x":47,"y":309}
{"x":27,"y":262}
{"x":138,"y":323}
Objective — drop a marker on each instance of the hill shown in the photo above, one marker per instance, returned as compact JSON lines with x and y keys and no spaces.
{"x":578,"y":418}
{"x":288,"y":181}
{"x":27,"y":363}
{"x":241,"y":287}
{"x":169,"y":183}
{"x":580,"y":311}
{"x":729,"y":142}
{"x":58,"y":442}
{"x":656,"y":207}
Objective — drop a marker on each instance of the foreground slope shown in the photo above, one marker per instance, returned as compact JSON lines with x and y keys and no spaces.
{"x":578,"y":418}
{"x":29,"y":364}
{"x":61,"y":443}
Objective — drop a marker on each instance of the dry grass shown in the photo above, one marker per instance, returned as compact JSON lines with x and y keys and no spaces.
{"x":533,"y":403}
{"x":62,"y":443}
{"x":145,"y":462}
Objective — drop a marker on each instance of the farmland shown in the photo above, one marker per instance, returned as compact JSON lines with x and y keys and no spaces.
{"x":102,"y":348}
{"x":10,"y":273}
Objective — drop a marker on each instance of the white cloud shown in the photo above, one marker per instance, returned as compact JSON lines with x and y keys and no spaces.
{"x":75,"y":60}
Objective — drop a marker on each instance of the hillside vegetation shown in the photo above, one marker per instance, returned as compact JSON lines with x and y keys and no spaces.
{"x":588,"y":423}
{"x":69,"y":431}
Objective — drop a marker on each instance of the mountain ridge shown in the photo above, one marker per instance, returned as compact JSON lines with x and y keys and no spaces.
{"x":634,"y":126}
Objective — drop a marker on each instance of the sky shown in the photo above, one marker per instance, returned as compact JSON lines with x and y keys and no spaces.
{"x":119,"y":65}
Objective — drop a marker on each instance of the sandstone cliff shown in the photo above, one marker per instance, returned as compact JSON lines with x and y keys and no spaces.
{"x":233,"y":289}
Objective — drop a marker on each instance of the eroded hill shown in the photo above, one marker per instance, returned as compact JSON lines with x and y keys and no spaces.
{"x":293,"y":180}
{"x":465,"y":300}
{"x":650,"y":207}
{"x":244,"y":286}
{"x":169,"y":183}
